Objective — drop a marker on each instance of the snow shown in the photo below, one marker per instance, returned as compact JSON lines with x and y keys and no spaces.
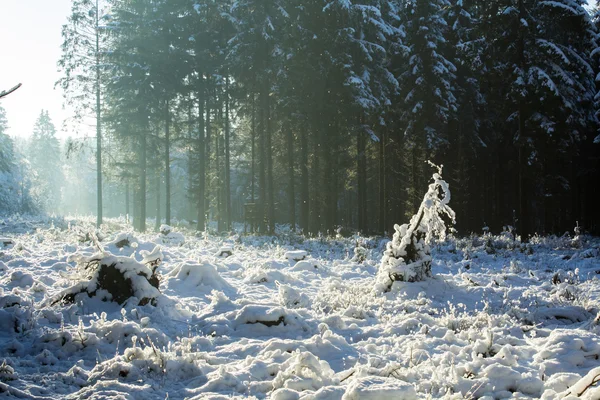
{"x":169,"y":237}
{"x":295,"y":255}
{"x":497,"y":318}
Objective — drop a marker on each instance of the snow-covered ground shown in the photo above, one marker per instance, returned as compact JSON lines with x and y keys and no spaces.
{"x":498,"y":319}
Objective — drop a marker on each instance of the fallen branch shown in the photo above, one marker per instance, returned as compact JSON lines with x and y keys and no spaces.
{"x":349,"y":375}
{"x":585,"y":383}
{"x":5,"y":93}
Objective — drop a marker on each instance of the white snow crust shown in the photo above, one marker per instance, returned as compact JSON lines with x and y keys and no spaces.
{"x":498,"y":319}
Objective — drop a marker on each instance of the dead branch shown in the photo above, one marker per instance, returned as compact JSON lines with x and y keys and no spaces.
{"x":5,"y":93}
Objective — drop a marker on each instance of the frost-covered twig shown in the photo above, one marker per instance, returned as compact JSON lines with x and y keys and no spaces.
{"x":586,"y":382}
{"x":96,"y":242}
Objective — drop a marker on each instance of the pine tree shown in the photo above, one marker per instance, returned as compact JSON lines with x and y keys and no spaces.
{"x":8,"y":183}
{"x":428,"y":86}
{"x":45,"y":158}
{"x":466,"y":126}
{"x":6,"y":145}
{"x":82,"y":62}
{"x":543,"y":54}
{"x":253,"y":54}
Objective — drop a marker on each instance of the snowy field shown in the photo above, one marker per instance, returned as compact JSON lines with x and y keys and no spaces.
{"x":498,"y":320}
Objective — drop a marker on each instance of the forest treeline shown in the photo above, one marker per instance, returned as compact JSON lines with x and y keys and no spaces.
{"x":323,"y":113}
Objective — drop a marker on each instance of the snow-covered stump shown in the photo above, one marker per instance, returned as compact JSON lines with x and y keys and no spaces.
{"x":224,"y":251}
{"x":5,"y":242}
{"x":123,"y":239}
{"x":294,"y":256}
{"x":407,"y":256}
{"x":116,"y":278}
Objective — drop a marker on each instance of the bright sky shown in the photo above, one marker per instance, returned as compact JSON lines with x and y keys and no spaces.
{"x":30,"y":39}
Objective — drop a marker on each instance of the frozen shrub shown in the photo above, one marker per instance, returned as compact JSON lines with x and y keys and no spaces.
{"x":360,"y":253}
{"x":407,"y":256}
{"x":304,"y":371}
{"x":123,"y":239}
{"x":7,"y":372}
{"x":291,"y":298}
{"x":169,"y":237}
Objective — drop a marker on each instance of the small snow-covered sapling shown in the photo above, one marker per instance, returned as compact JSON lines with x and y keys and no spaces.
{"x":408,"y":256}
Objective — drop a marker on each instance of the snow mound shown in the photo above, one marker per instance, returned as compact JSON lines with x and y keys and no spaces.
{"x":194,"y":276}
{"x":258,"y":320}
{"x":168,"y":237}
{"x":123,"y":333}
{"x":16,"y":314}
{"x":568,"y":351}
{"x":585,"y":388}
{"x":225,"y":251}
{"x":152,"y":258}
{"x":123,"y":239}
{"x":377,"y":388}
{"x":562,"y":315}
{"x":21,"y":279}
{"x":295,"y":255}
{"x":292,"y":298}
{"x":307,"y":265}
{"x":304,"y":371}
{"x":264,"y":274}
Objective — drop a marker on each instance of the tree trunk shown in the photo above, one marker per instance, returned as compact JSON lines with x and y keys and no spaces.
{"x":333,"y":198}
{"x":253,"y":156}
{"x":523,"y":183}
{"x":270,"y":167}
{"x":304,"y":187}
{"x":315,"y":220}
{"x":227,"y":159}
{"x":208,"y":185}
{"x":382,"y":182}
{"x":190,"y":162}
{"x":362,"y":180}
{"x":291,"y":191}
{"x":415,"y":188}
{"x":167,"y":166}
{"x":218,"y":169}
{"x":127,"y":199}
{"x":142,"y":194}
{"x":98,"y":122}
{"x":158,"y":216}
{"x":262,"y":173}
{"x":253,"y":162}
{"x":135,"y":205}
{"x":201,"y":195}
{"x":327,"y":185}
{"x":523,"y":198}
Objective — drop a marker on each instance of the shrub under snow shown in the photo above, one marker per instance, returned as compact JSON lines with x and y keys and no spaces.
{"x":408,"y":257}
